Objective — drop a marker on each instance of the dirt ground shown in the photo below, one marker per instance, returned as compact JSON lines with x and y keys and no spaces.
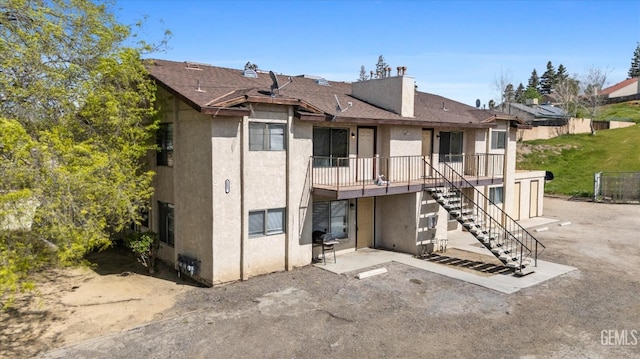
{"x":114,"y":293}
{"x":116,"y":311}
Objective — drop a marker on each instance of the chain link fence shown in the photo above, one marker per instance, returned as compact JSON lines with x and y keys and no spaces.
{"x":617,"y":187}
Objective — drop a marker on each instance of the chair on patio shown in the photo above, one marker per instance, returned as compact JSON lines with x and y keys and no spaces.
{"x":327,"y":242}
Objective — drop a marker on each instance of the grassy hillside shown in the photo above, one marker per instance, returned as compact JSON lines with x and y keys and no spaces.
{"x":574,"y":159}
{"x":626,"y":111}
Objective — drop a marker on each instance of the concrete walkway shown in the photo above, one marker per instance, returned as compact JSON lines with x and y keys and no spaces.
{"x":366,"y":259}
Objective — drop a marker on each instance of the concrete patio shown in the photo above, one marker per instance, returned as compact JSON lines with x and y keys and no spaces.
{"x":366,"y":259}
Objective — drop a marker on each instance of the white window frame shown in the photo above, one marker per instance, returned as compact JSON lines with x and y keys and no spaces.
{"x":272,"y":221}
{"x":496,"y":192}
{"x":495,"y":140}
{"x":262,"y":135}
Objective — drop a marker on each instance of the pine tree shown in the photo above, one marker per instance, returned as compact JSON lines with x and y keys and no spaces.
{"x":509,"y":95}
{"x":381,"y":67}
{"x":547,"y":80}
{"x":519,"y":95}
{"x":634,"y":70}
{"x":534,"y":80}
{"x":363,"y":74}
{"x":561,"y":74}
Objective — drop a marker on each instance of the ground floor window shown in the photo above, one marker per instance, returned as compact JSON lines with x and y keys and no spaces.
{"x":332,"y":217}
{"x":496,"y":195}
{"x":165,"y":223}
{"x":266,"y":222}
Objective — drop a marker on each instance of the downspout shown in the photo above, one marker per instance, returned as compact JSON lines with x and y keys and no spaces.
{"x":289,"y":230}
{"x":243,"y":219}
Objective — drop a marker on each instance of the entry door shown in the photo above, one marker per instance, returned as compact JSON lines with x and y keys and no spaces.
{"x":364,"y":212}
{"x":533,"y":200}
{"x":366,"y":151}
{"x":427,"y":149}
{"x":516,"y":193}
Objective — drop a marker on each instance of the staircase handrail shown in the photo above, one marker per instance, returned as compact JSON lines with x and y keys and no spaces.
{"x":508,"y":218}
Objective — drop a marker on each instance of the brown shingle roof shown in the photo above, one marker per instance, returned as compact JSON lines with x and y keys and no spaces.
{"x":210,"y":88}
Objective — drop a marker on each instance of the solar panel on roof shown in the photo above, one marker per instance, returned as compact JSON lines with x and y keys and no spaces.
{"x":322,"y":82}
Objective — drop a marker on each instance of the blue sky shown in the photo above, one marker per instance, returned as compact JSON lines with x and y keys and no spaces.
{"x":455,"y":49}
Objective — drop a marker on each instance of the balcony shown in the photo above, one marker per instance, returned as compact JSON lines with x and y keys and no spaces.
{"x":355,"y":177}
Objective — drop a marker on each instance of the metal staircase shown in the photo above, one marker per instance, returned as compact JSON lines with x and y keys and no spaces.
{"x":488,"y":223}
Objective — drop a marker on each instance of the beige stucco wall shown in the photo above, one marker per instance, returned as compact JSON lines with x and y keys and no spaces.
{"x":226,"y":147}
{"x":192,"y":186}
{"x":264,"y":187}
{"x":525,"y":178}
{"x":396,"y":222}
{"x":401,"y":222}
{"x":395,"y":93}
{"x":211,"y":224}
{"x":299,"y":225}
{"x":628,"y":90}
{"x":574,"y":126}
{"x":620,"y":124}
{"x":405,"y":141}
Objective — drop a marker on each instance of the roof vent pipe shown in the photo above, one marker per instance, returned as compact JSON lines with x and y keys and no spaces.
{"x":198,"y":86}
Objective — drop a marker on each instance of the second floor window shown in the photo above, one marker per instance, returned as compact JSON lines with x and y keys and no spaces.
{"x":450,"y":146}
{"x":330,"y":146}
{"x":165,"y":145}
{"x":498,"y":139}
{"x":266,"y":136}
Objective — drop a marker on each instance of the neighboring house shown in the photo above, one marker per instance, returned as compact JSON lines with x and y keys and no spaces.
{"x":547,"y":120}
{"x":534,"y":114}
{"x":626,"y":88}
{"x":254,"y":166}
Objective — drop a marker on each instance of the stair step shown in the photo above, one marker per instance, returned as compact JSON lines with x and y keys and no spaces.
{"x":501,"y":250}
{"x":477,"y":229}
{"x":525,"y":263}
{"x":509,"y":257}
{"x":484,"y":239}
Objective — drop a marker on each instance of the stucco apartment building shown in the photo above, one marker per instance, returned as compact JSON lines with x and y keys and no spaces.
{"x":253,"y":166}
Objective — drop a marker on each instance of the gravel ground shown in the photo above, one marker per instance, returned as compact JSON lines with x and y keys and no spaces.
{"x":593,"y":312}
